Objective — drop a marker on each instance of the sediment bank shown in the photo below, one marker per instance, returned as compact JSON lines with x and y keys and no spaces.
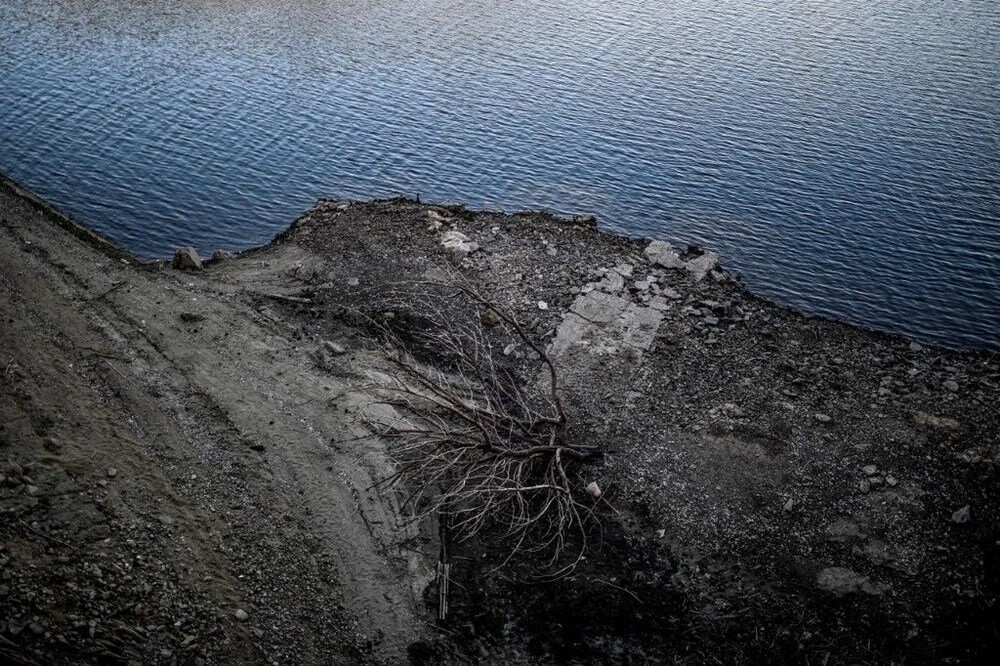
{"x":187,"y":479}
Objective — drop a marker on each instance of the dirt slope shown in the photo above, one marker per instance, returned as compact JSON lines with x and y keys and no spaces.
{"x":170,"y":463}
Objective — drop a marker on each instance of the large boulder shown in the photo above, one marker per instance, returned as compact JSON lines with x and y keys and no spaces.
{"x":187,"y":259}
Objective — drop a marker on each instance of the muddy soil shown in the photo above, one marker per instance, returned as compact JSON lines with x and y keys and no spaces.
{"x":188,"y":479}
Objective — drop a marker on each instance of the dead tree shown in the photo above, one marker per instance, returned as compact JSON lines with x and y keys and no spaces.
{"x":480,"y":444}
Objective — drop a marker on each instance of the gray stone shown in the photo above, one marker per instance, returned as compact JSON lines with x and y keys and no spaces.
{"x":458,"y":242}
{"x":916,"y":347}
{"x":700,"y":266}
{"x":602,"y":323}
{"x":935,"y":422}
{"x":962,"y":516}
{"x":241,"y":615}
{"x":334,"y":348}
{"x":822,"y":418}
{"x":187,"y":259}
{"x":642,"y":285}
{"x":612,"y":282}
{"x":663,"y":254}
{"x":841,"y":581}
{"x":870,"y":470}
{"x":222,"y":255}
{"x":599,"y":307}
{"x":950,"y":385}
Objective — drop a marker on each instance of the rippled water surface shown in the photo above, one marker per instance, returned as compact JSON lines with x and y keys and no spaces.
{"x":844,"y":156}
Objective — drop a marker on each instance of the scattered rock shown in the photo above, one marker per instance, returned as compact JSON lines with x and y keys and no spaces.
{"x":222,"y":255}
{"x":490,"y":317}
{"x":458,"y":242}
{"x":870,"y":470}
{"x":936,"y":422}
{"x":241,"y":615}
{"x":191,"y":317}
{"x":435,"y":220}
{"x":962,"y":516}
{"x":700,"y":266}
{"x":542,"y":305}
{"x":594,"y":490}
{"x":112,"y":472}
{"x":916,"y":347}
{"x":865,"y":486}
{"x":334,"y":348}
{"x":663,"y":254}
{"x":841,"y":581}
{"x":891,"y":481}
{"x":612,"y":283}
{"x":950,"y":385}
{"x":187,"y":259}
{"x":822,"y":418}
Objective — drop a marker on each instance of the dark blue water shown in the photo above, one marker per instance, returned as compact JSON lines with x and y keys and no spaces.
{"x":844,"y":156}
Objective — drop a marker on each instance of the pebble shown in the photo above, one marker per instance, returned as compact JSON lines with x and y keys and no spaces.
{"x":870,"y":470}
{"x":112,"y":472}
{"x":241,"y":615}
{"x":950,"y":385}
{"x":865,"y":486}
{"x":891,"y":481}
{"x":542,"y":305}
{"x":916,"y":347}
{"x":822,"y":418}
{"x":334,"y":348}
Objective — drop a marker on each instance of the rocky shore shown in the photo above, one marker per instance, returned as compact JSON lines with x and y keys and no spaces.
{"x":189,"y":474}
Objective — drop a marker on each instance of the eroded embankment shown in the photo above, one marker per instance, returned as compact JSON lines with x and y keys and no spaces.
{"x":783,"y":487}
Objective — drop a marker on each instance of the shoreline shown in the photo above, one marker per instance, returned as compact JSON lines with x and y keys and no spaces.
{"x":783,"y":486}
{"x":85,"y":233}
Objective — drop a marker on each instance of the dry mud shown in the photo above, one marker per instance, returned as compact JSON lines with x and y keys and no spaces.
{"x":187,"y":480}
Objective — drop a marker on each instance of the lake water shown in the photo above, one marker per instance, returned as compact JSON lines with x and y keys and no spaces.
{"x":844,"y":156}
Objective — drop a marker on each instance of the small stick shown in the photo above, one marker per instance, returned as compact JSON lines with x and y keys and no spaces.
{"x":46,"y":536}
{"x":116,"y":286}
